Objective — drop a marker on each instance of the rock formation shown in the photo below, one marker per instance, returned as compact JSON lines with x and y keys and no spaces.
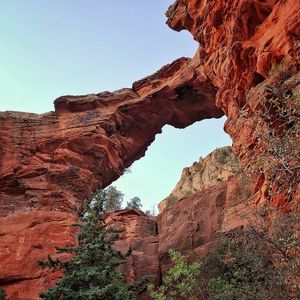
{"x":141,"y":235}
{"x":51,"y":163}
{"x":201,"y":205}
{"x":217,"y":167}
{"x":240,"y":43}
{"x":190,"y":222}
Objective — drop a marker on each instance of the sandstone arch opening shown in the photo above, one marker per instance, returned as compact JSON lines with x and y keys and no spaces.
{"x":153,"y":177}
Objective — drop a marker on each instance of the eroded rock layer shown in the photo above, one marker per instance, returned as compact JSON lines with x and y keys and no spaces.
{"x":217,"y":167}
{"x":51,"y":163}
{"x":242,"y":45}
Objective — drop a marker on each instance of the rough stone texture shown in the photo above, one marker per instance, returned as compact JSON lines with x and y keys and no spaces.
{"x":191,"y":223}
{"x":141,"y":236}
{"x":50,"y":163}
{"x":56,"y":160}
{"x":25,"y":238}
{"x":215,"y":168}
{"x":240,"y":41}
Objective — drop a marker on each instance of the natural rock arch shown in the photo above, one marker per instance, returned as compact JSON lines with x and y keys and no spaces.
{"x":50,"y":163}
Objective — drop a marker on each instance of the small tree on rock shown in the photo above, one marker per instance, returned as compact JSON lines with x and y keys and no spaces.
{"x":113,"y":198}
{"x":134,"y":203}
{"x":2,"y":295}
{"x":93,"y":270}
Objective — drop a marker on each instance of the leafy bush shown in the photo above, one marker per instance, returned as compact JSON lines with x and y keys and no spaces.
{"x":241,"y":267}
{"x":179,"y":282}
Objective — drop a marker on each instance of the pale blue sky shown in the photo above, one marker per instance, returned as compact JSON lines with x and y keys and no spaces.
{"x":51,"y":48}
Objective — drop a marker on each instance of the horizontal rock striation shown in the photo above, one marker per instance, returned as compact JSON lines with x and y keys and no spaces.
{"x":56,"y":160}
{"x":51,"y":163}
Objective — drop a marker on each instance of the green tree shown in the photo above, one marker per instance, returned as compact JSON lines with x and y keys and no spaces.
{"x":93,"y":270}
{"x":134,"y":203}
{"x":180,"y":282}
{"x":2,"y":295}
{"x":113,"y":198}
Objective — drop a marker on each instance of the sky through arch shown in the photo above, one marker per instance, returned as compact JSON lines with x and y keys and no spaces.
{"x":52,"y":48}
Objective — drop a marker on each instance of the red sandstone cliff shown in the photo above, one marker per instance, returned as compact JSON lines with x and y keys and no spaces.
{"x":50,"y":163}
{"x":212,"y":194}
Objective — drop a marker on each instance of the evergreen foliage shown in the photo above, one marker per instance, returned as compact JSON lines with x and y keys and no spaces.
{"x":93,"y":270}
{"x":135,"y":203}
{"x":113,"y":198}
{"x":2,"y":295}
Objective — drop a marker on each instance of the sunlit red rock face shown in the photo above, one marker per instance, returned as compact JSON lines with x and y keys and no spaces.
{"x":25,"y":238}
{"x":141,"y":236}
{"x":56,"y":160}
{"x":240,"y":42}
{"x":191,"y":224}
{"x":212,"y":195}
{"x":49,"y":164}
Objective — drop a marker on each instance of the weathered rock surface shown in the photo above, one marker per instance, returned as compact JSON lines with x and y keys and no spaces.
{"x":56,"y":160}
{"x":25,"y":238}
{"x":240,"y":43}
{"x":192,"y":223}
{"x":215,"y":168}
{"x":141,"y":236}
{"x":50,"y":163}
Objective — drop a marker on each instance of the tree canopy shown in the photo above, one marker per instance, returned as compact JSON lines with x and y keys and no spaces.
{"x":134,"y":203}
{"x":93,"y":270}
{"x":113,"y":198}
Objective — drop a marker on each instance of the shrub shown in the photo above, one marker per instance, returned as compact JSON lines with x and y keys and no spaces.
{"x":278,"y":72}
{"x":241,"y":269}
{"x":134,"y":203}
{"x":277,"y":154}
{"x":180,"y":282}
{"x":223,"y":156}
{"x":171,"y":199}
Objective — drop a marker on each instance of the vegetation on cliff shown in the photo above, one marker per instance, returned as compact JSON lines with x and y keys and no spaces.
{"x":250,"y":263}
{"x":134,"y":203}
{"x":178,"y":282}
{"x":276,"y":126}
{"x":2,"y":295}
{"x":113,"y":198}
{"x":92,"y":272}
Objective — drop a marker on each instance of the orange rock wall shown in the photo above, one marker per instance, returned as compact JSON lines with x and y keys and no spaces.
{"x":50,"y":163}
{"x":239,"y":42}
